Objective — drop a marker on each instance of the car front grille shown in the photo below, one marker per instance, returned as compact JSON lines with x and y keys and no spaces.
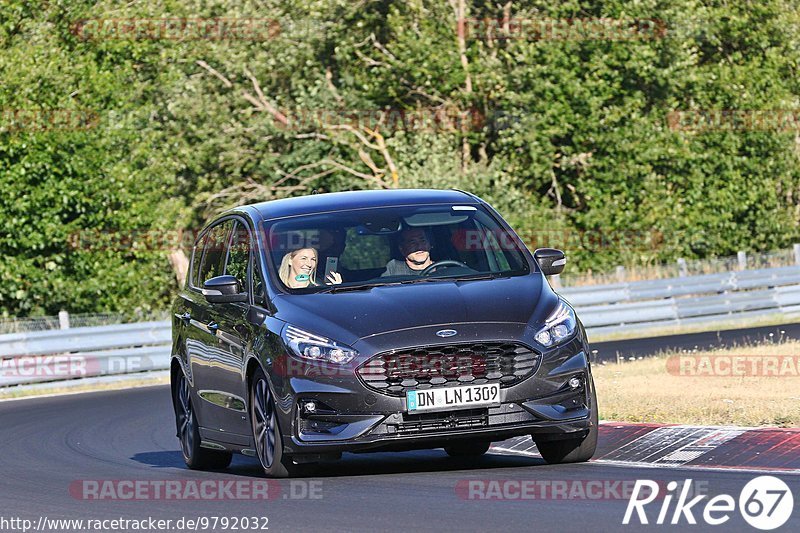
{"x":470,"y":418}
{"x":395,"y":372}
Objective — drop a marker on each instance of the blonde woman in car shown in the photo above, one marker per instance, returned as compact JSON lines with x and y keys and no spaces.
{"x":298,"y":270}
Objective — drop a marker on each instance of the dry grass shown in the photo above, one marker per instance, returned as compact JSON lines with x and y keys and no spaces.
{"x":775,"y":319}
{"x":644,"y":391}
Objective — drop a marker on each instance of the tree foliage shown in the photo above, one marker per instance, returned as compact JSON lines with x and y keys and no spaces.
{"x":568,"y":137}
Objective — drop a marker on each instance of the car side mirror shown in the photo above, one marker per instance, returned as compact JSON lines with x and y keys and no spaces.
{"x":550,"y":260}
{"x":223,"y":290}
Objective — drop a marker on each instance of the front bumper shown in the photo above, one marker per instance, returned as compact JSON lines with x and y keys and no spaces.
{"x":351,"y":417}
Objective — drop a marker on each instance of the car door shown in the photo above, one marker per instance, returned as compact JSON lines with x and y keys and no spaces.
{"x":234,"y":332}
{"x":202,"y":348}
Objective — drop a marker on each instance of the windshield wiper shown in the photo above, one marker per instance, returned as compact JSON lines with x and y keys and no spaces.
{"x":469,"y":277}
{"x":487,"y":275}
{"x":421,"y":280}
{"x":363,"y":286}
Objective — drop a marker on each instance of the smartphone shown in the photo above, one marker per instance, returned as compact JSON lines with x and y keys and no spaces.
{"x":331,"y":265}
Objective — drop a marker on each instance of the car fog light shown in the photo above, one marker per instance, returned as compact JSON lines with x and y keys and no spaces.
{"x":575,"y":383}
{"x":309,"y":407}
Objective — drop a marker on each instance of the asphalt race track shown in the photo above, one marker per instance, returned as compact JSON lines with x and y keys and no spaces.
{"x":51,"y":447}
{"x":70,"y":457}
{"x":607,"y":351}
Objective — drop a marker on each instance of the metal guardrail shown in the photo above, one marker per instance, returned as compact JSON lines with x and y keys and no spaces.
{"x":57,"y":355}
{"x":709,"y":297}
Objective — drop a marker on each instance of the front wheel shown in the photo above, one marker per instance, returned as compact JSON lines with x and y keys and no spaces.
{"x":573,"y":450}
{"x":266,"y":433}
{"x":195,"y":457}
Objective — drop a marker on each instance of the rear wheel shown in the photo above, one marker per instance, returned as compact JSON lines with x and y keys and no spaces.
{"x":573,"y":450}
{"x":266,"y":433}
{"x":194,"y":456}
{"x":467,"y":449}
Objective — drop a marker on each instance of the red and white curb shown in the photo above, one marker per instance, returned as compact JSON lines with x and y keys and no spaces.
{"x":682,"y":446}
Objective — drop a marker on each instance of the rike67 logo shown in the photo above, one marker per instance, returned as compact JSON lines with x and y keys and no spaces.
{"x":765,"y":503}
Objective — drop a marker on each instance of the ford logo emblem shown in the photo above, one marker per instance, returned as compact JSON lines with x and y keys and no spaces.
{"x":446,"y":333}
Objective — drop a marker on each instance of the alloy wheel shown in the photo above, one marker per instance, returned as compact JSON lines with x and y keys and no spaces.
{"x":264,"y":423}
{"x":185,"y":418}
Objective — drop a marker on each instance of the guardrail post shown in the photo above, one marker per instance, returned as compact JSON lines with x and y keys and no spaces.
{"x":620,"y":273}
{"x":63,"y":319}
{"x":683,"y":270}
{"x":797,"y":254}
{"x":555,"y":281}
{"x":742,"y":258}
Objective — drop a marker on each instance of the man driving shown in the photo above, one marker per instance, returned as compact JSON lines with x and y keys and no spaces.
{"x":415,"y":247}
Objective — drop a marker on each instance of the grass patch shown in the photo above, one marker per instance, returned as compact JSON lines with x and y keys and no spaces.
{"x":645,"y":390}
{"x":776,"y":319}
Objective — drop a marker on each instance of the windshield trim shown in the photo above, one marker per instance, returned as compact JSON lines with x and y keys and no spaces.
{"x":266,"y":218}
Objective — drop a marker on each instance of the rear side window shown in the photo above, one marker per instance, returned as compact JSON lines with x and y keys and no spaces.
{"x":365,"y":251}
{"x":197,"y":258}
{"x":239,"y":255}
{"x":214,"y":252}
{"x":259,"y":296}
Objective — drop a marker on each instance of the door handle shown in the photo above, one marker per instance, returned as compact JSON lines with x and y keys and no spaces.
{"x":185,"y":317}
{"x":212,"y":327}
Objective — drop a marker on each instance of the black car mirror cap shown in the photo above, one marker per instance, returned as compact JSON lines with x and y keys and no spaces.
{"x":550,"y":260}
{"x":223,"y":290}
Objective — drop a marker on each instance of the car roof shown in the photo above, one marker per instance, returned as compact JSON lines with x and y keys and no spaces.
{"x":342,"y":201}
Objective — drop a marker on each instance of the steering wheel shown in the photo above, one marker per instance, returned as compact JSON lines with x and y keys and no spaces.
{"x":446,"y":263}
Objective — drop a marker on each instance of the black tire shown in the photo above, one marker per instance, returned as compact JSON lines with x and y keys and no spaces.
{"x":573,"y":450}
{"x":266,"y":431}
{"x":467,"y":449}
{"x":194,"y":456}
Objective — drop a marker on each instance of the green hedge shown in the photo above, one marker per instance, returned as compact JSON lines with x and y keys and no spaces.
{"x":569,"y":138}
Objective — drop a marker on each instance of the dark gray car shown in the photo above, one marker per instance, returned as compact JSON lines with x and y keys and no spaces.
{"x":374,"y":321}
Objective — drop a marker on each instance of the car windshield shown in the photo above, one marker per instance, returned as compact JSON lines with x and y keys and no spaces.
{"x":350,"y":250}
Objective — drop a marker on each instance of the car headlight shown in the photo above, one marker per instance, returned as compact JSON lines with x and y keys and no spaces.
{"x":309,"y":346}
{"x":559,"y":326}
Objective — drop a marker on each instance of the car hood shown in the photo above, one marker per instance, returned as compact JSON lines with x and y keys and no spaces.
{"x":349,"y":316}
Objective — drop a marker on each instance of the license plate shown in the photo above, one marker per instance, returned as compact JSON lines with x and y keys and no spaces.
{"x":465,"y":397}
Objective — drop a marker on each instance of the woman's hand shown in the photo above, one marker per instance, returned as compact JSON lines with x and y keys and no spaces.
{"x":334,"y":278}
